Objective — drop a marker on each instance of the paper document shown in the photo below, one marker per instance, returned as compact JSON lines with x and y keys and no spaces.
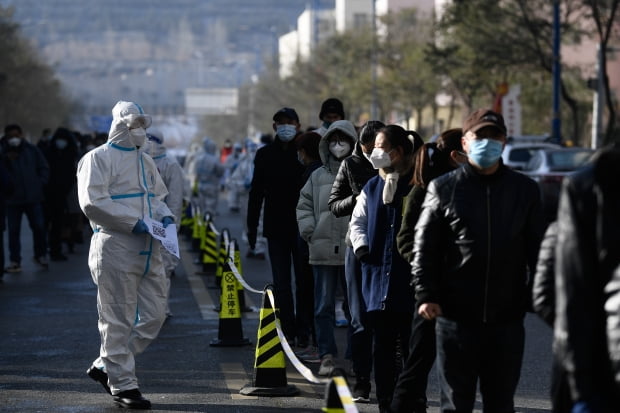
{"x":167,"y":236}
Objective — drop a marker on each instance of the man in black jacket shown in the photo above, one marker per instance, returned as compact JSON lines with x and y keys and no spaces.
{"x":475,"y":249}
{"x":586,"y":341}
{"x":276,"y":183}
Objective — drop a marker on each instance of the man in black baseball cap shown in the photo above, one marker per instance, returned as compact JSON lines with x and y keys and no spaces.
{"x":288,"y":113}
{"x":275,"y":185}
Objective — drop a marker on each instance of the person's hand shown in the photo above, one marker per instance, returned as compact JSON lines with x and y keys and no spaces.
{"x":252,"y":239}
{"x":430,"y":311}
{"x":167,"y":221}
{"x":593,"y":405}
{"x":140,"y":228}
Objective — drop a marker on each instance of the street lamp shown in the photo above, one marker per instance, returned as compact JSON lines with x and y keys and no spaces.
{"x":373,"y":64}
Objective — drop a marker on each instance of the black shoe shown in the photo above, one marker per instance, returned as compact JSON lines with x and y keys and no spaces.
{"x":58,"y":257}
{"x":132,"y":399}
{"x":361,"y":391}
{"x":100,"y":376}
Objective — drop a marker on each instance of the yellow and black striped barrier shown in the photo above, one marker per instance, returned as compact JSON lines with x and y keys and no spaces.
{"x":222,"y":255}
{"x":208,"y":246}
{"x":187,"y":219}
{"x":338,"y":397}
{"x":236,"y":253}
{"x":196,"y":230}
{"x":230,"y":332}
{"x":270,"y":364}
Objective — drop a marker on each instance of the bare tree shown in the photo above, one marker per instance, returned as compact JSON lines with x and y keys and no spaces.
{"x":603,"y":13}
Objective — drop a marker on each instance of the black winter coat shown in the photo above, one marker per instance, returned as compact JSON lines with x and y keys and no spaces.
{"x":543,"y":294}
{"x":276,"y":182}
{"x":476,"y":244}
{"x":353,"y":174}
{"x":587,"y":324}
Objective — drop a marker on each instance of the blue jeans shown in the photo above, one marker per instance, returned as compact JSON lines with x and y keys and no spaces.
{"x":361,"y":337}
{"x":326,"y":279}
{"x":283,"y":252}
{"x":34,"y":213}
{"x":490,"y":352}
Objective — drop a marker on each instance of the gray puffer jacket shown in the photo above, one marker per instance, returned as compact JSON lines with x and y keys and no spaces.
{"x":324,"y":233}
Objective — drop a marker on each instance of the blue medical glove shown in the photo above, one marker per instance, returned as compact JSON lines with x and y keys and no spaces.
{"x":167,"y":221}
{"x":592,"y":405}
{"x":140,"y":228}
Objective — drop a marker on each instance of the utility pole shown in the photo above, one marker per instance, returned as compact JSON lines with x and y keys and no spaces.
{"x":373,"y":64}
{"x":597,"y":102}
{"x":556,"y":122}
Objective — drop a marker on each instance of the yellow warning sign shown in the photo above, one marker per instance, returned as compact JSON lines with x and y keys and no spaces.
{"x":229,"y":298}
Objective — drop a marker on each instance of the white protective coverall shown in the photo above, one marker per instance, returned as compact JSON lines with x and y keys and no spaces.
{"x":174,"y":177}
{"x":232,"y":161}
{"x":208,"y":171}
{"x":240,"y":181}
{"x":117,"y":186}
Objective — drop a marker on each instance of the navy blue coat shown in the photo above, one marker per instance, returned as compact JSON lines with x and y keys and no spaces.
{"x":385,"y":274}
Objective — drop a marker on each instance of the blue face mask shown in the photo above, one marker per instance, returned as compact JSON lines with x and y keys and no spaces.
{"x":286,"y":133}
{"x":485,"y":152}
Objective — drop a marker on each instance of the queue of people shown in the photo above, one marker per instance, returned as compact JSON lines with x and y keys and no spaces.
{"x":439,"y":259}
{"x":435,"y":246}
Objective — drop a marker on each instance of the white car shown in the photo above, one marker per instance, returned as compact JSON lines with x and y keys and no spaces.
{"x":518,"y":151}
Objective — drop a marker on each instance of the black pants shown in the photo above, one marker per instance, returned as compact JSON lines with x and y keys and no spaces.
{"x":491,"y":353}
{"x":282,"y":253}
{"x":410,"y":391}
{"x":388,"y":327}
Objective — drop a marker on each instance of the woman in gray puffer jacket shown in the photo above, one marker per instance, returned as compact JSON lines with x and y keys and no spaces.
{"x":325,"y":235}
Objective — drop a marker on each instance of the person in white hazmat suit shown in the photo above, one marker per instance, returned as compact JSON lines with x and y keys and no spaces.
{"x":208,"y":171}
{"x":231,"y":164}
{"x":241,"y":181}
{"x":174,"y":177}
{"x":118,"y":186}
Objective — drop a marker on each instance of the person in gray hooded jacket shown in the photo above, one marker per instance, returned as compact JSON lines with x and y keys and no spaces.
{"x":325,"y":235}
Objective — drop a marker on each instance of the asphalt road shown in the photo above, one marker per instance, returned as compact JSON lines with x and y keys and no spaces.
{"x":49,"y":337}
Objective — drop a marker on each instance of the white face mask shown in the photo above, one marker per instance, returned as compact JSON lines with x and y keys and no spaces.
{"x":339,"y":149}
{"x":380,"y":158}
{"x":15,"y":141}
{"x":61,"y":143}
{"x":138,"y":136}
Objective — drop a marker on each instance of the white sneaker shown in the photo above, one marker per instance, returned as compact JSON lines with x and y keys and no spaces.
{"x":327,"y":365}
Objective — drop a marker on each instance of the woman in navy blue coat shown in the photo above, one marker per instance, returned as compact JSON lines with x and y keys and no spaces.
{"x":374,"y":225}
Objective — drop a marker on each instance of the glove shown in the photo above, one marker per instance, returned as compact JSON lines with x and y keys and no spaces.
{"x":252,"y":239}
{"x":140,"y":228}
{"x":592,"y":405}
{"x":167,"y":221}
{"x":362,"y":253}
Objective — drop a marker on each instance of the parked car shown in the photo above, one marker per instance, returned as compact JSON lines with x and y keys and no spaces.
{"x":548,"y":167}
{"x":519,"y":150}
